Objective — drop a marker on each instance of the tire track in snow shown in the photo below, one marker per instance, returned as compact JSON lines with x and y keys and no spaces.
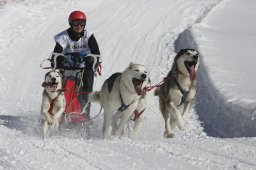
{"x":80,"y":157}
{"x":196,"y":155}
{"x":9,"y":162}
{"x":52,"y":147}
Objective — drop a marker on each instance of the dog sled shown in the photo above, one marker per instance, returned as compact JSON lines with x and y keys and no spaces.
{"x":72,"y":88}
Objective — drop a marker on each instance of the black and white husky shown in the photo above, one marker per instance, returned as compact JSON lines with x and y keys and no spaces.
{"x":53,"y":102}
{"x":122,"y":98}
{"x":178,"y":91}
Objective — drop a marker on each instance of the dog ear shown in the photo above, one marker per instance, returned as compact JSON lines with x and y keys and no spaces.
{"x":57,"y":71}
{"x":131,"y":63}
{"x":196,"y":51}
{"x":47,"y":74}
{"x":182,"y":51}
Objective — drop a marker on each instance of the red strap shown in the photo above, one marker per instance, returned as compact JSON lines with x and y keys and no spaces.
{"x":152,"y":87}
{"x":137,"y":114}
{"x":51,"y":105}
{"x":99,"y":69}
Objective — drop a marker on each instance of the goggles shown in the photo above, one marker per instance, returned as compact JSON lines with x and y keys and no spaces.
{"x":78,"y":22}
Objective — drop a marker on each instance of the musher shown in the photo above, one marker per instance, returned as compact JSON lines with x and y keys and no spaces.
{"x":76,"y":44}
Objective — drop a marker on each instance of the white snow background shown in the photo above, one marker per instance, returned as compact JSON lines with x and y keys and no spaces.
{"x":220,"y":130}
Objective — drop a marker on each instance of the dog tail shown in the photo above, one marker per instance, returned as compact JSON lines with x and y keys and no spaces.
{"x":94,"y":96}
{"x":156,"y":92}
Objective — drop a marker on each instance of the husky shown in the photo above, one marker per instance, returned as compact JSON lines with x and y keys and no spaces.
{"x":177,"y":93}
{"x":123,"y":98}
{"x":53,"y":102}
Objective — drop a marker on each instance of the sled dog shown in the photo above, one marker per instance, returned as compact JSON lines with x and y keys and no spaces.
{"x":177,"y":93}
{"x":53,"y":102}
{"x":123,"y":98}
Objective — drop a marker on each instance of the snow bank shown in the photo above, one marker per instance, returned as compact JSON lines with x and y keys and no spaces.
{"x":220,"y":117}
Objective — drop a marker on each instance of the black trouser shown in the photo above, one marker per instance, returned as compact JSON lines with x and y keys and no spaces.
{"x":88,"y":79}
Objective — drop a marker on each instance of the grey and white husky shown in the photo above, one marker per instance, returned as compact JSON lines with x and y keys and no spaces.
{"x":53,"y":102}
{"x":121,"y":96}
{"x":177,"y":93}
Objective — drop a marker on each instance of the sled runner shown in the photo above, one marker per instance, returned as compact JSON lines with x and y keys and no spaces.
{"x":72,"y":87}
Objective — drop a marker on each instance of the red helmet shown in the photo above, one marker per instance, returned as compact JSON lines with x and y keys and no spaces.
{"x":76,"y":15}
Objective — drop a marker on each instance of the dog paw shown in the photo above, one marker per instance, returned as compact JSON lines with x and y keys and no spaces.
{"x":49,"y":120}
{"x":132,"y":135}
{"x":182,"y":128}
{"x":116,"y":135}
{"x":170,"y":135}
{"x":106,"y":136}
{"x":114,"y":138}
{"x":181,"y":125}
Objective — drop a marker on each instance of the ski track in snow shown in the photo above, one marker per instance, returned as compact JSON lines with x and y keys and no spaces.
{"x":23,"y":148}
{"x":9,"y":162}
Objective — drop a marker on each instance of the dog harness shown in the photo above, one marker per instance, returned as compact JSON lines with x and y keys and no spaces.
{"x":52,"y":102}
{"x":137,"y":114}
{"x":183,"y":92}
{"x":110,"y":81}
{"x":123,"y":106}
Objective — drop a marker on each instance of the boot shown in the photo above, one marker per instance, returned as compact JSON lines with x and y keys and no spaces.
{"x":83,"y":99}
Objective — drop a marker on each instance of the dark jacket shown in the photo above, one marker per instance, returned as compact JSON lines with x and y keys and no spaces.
{"x":92,"y":43}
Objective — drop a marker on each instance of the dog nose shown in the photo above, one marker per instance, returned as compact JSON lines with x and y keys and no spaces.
{"x":195,"y":57}
{"x":53,"y":79}
{"x":143,"y":76}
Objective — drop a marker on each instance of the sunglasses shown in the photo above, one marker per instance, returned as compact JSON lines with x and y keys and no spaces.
{"x":78,"y":22}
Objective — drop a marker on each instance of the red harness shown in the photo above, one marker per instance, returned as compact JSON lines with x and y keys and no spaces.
{"x":137,"y":114}
{"x":52,"y":105}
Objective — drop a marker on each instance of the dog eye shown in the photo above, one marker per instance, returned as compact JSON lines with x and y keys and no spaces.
{"x":145,"y":72}
{"x":136,"y":70}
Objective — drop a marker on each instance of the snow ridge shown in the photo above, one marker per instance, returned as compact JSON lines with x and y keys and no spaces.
{"x":219,"y":117}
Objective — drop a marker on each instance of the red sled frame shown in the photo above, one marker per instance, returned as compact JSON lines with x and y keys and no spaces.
{"x":73,"y":111}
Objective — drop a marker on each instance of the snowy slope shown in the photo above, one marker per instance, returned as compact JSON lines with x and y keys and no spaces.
{"x":227,"y":37}
{"x":146,"y":32}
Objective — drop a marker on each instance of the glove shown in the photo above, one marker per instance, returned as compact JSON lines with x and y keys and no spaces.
{"x":57,"y":61}
{"x":92,"y":61}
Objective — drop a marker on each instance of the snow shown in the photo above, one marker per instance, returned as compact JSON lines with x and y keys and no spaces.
{"x":220,"y":130}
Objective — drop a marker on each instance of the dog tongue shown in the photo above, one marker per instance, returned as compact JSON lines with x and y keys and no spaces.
{"x":192,"y":74}
{"x":138,"y":89}
{"x":53,"y":87}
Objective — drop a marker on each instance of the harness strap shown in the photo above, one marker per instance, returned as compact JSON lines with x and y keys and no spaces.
{"x":137,"y":114}
{"x":147,"y":89}
{"x":123,"y":106}
{"x":183,"y":92}
{"x":52,"y":103}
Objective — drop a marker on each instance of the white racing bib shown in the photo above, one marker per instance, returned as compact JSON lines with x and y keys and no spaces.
{"x":74,"y":51}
